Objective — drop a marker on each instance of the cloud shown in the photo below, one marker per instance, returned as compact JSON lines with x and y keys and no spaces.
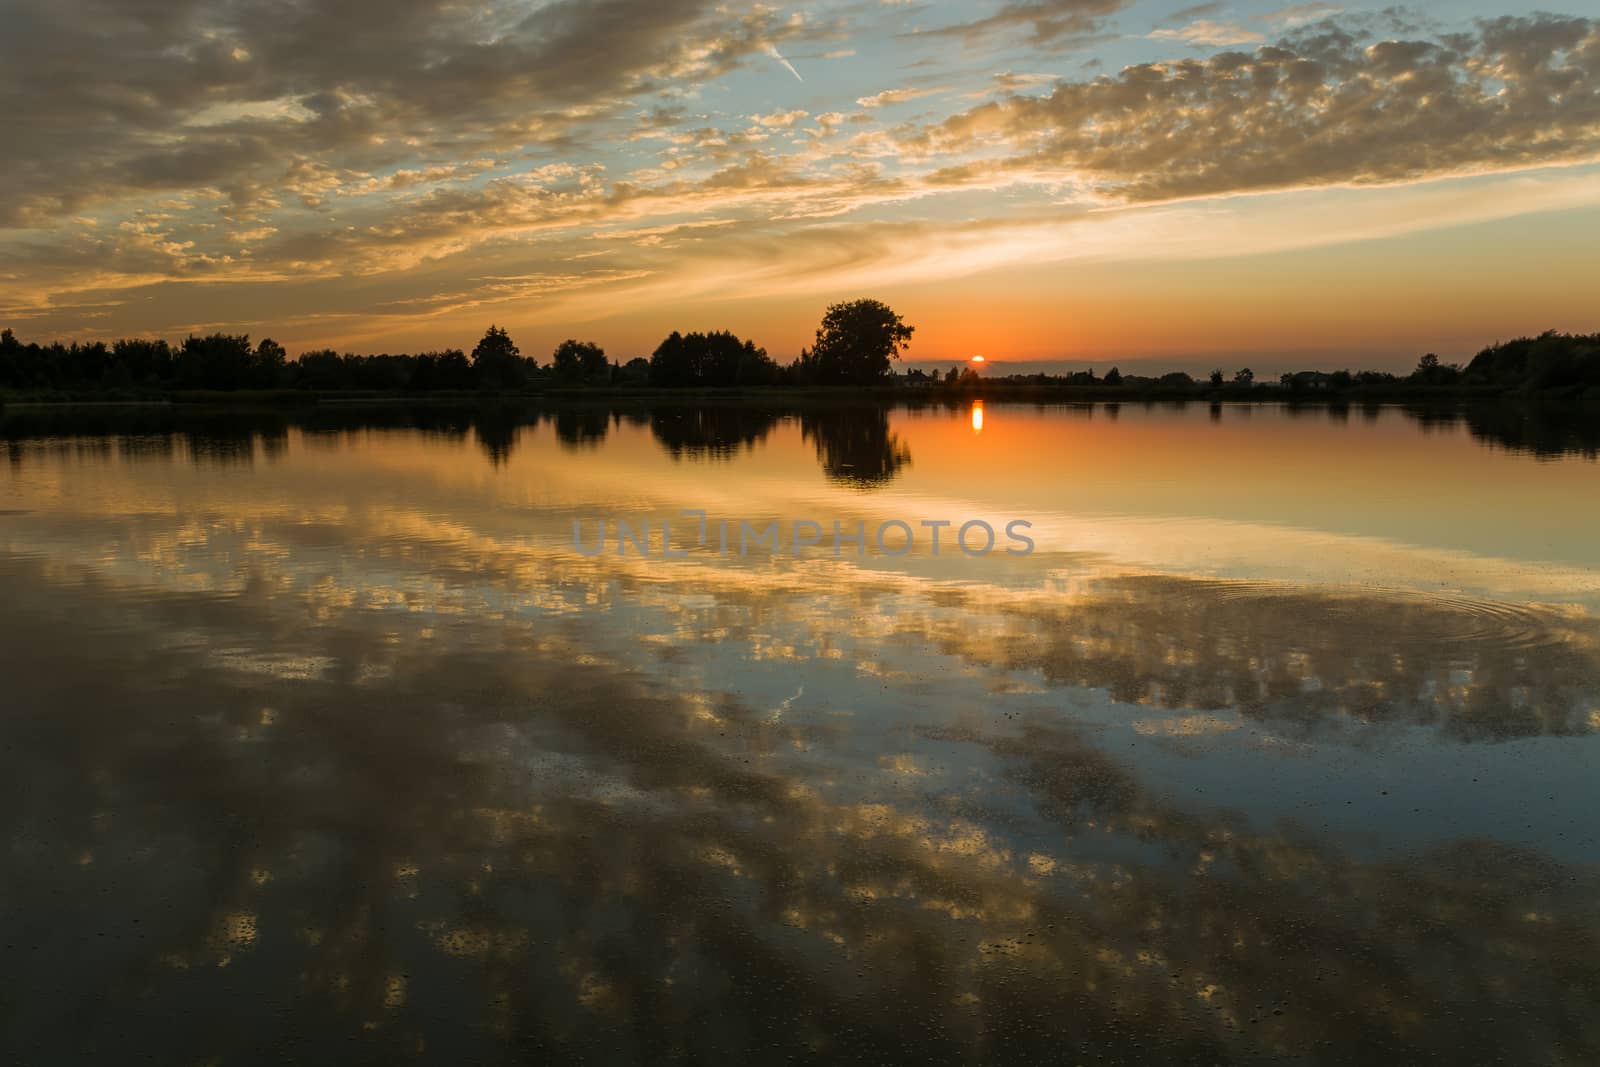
{"x":779,"y":120}
{"x":893,"y":96}
{"x":1198,"y":11}
{"x":1319,"y":109}
{"x":234,"y":96}
{"x":1208,"y":33}
{"x":1300,"y":14}
{"x":292,"y":155}
{"x":1044,"y":22}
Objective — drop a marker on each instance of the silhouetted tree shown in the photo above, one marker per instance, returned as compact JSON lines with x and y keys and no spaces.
{"x":267,"y":366}
{"x":15,"y":365}
{"x":1113,"y":377}
{"x":497,"y":362}
{"x":855,"y":344}
{"x":1431,"y":372}
{"x":1245,"y":377}
{"x":216,"y":361}
{"x":449,"y":369}
{"x":1216,"y":379}
{"x":710,"y":359}
{"x":580,"y":361}
{"x":1551,"y":360}
{"x":321,"y":369}
{"x":146,"y":362}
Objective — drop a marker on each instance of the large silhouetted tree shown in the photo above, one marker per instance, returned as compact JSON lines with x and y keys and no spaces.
{"x":497,"y":362}
{"x":855,"y":344}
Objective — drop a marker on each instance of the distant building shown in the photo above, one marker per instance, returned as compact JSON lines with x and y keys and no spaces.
{"x":1311,"y":379}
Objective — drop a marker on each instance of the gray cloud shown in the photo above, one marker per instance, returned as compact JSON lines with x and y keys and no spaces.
{"x":1044,"y":22}
{"x":1198,"y":11}
{"x":106,"y":100}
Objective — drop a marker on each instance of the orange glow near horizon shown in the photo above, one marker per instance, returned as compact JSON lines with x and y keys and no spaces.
{"x":989,"y":219}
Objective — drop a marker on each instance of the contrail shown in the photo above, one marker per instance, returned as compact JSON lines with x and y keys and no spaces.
{"x":772,"y":50}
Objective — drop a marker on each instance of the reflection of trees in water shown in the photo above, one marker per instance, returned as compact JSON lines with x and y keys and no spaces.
{"x":497,"y":430}
{"x":713,"y":432}
{"x":1543,"y":430}
{"x":226,"y":447}
{"x":400,"y":836}
{"x":582,"y":428}
{"x":855,"y":445}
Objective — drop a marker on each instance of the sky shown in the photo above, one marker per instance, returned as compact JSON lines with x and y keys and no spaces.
{"x":1066,"y":181}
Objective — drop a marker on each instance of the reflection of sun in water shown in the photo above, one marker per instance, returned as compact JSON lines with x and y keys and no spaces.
{"x":977,"y":416}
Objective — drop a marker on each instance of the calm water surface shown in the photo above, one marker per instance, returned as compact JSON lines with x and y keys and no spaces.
{"x":321,"y":741}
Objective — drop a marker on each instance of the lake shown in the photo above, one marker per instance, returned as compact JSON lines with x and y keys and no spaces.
{"x":326,"y":736}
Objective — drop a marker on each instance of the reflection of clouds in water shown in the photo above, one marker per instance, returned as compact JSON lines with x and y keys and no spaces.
{"x":544,"y":848}
{"x":355,"y":747}
{"x":1289,"y":654}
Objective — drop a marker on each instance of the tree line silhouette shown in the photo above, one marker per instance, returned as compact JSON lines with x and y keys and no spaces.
{"x":1551,"y":362}
{"x":855,"y":345}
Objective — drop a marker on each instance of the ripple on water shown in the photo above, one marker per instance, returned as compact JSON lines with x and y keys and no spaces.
{"x":1444,"y":617}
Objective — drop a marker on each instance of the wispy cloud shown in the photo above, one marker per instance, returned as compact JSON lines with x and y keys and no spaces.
{"x":1044,"y":22}
{"x":892,"y":96}
{"x":1207,"y":32}
{"x":1301,"y":14}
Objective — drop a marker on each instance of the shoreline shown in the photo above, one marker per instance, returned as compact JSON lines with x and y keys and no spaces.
{"x":1002,"y":392}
